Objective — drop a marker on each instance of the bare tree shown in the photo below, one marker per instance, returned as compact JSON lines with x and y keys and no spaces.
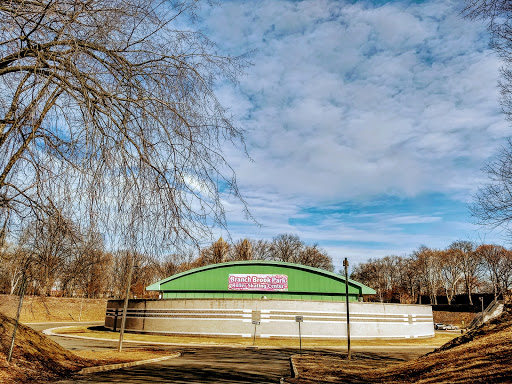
{"x":216,"y":253}
{"x":106,"y":105}
{"x":121,"y":263}
{"x":261,"y":249}
{"x":315,"y":257}
{"x":451,"y":272}
{"x":498,"y":266}
{"x":96,"y":276}
{"x":458,"y":269}
{"x":428,"y":269}
{"x":410,"y":277}
{"x":492,"y":203}
{"x":51,"y":243}
{"x":174,"y":263}
{"x":84,"y":270}
{"x":286,"y":247}
{"x":241,"y":250}
{"x":470,"y":263}
{"x":14,"y":263}
{"x":372,"y":274}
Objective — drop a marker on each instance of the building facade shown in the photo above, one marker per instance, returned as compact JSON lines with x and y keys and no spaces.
{"x":267,"y":299}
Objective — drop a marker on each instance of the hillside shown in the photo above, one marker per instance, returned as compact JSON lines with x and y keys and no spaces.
{"x":35,"y":356}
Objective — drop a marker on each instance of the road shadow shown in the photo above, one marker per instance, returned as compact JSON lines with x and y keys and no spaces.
{"x":99,"y":328}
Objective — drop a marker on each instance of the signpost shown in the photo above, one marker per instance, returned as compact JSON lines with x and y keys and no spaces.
{"x":255,"y":322}
{"x":299,"y":319}
{"x":345,"y":264}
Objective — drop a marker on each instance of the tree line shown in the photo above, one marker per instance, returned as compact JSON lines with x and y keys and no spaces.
{"x":56,"y":258}
{"x":464,"y":267}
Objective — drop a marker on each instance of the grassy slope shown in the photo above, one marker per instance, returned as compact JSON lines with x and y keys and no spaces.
{"x":483,"y":355}
{"x":38,"y":358}
{"x":35,"y":356}
{"x":43,"y":309}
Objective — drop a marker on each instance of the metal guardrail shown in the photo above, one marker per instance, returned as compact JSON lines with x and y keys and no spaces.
{"x":480,"y":318}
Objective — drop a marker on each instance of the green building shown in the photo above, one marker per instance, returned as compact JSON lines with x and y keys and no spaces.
{"x":256,"y":279}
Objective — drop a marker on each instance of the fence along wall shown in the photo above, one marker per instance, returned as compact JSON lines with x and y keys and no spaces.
{"x":233,"y":317}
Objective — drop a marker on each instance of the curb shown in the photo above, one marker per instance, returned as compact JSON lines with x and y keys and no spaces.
{"x":49,"y":332}
{"x":111,"y":367}
{"x":294,"y":373}
{"x":63,"y":322}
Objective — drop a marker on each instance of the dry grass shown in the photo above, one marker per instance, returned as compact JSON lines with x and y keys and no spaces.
{"x":480,"y":356}
{"x":438,"y":340}
{"x":44,"y":309}
{"x":113,"y":356}
{"x":35,"y":356}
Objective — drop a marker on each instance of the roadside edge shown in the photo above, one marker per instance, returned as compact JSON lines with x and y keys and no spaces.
{"x":294,"y":373}
{"x":111,"y":367}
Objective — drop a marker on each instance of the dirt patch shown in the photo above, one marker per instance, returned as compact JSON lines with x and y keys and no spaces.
{"x":44,"y":309}
{"x":36,"y":358}
{"x":483,"y":355}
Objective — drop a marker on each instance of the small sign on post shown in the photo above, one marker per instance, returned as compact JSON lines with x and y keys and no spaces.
{"x":299,"y":319}
{"x":256,"y":323}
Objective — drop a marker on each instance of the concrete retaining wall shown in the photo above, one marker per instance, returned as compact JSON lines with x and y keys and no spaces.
{"x":233,"y":317}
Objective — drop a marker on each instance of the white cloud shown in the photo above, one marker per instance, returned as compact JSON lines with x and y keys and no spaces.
{"x":354,"y":101}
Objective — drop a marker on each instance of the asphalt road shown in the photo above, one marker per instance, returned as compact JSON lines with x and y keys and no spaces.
{"x":196,"y":365}
{"x":203,"y":364}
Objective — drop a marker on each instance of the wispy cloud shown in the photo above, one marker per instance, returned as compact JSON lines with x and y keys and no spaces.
{"x":349,"y":103}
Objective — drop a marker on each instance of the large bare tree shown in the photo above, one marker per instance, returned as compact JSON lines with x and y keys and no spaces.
{"x":108,"y":106}
{"x":51,"y":245}
{"x":286,"y":247}
{"x":470,"y":263}
{"x":451,"y":272}
{"x":493,"y":202}
{"x":498,"y":265}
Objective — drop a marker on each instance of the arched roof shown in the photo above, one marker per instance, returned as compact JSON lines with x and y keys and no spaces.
{"x":300,"y":279}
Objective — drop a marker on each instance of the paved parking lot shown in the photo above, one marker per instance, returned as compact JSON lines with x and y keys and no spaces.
{"x":205,"y":364}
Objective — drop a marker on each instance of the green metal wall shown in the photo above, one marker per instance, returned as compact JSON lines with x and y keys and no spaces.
{"x":304,"y":283}
{"x":253,"y":295}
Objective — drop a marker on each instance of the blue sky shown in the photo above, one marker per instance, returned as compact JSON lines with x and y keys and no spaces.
{"x":367,"y":122}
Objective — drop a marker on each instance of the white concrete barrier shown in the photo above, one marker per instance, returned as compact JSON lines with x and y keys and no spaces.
{"x":275,"y":318}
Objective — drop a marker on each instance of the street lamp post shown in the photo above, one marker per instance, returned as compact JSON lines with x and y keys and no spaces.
{"x":345,"y":264}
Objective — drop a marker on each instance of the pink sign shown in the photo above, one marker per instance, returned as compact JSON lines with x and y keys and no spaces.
{"x":257,"y":282}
